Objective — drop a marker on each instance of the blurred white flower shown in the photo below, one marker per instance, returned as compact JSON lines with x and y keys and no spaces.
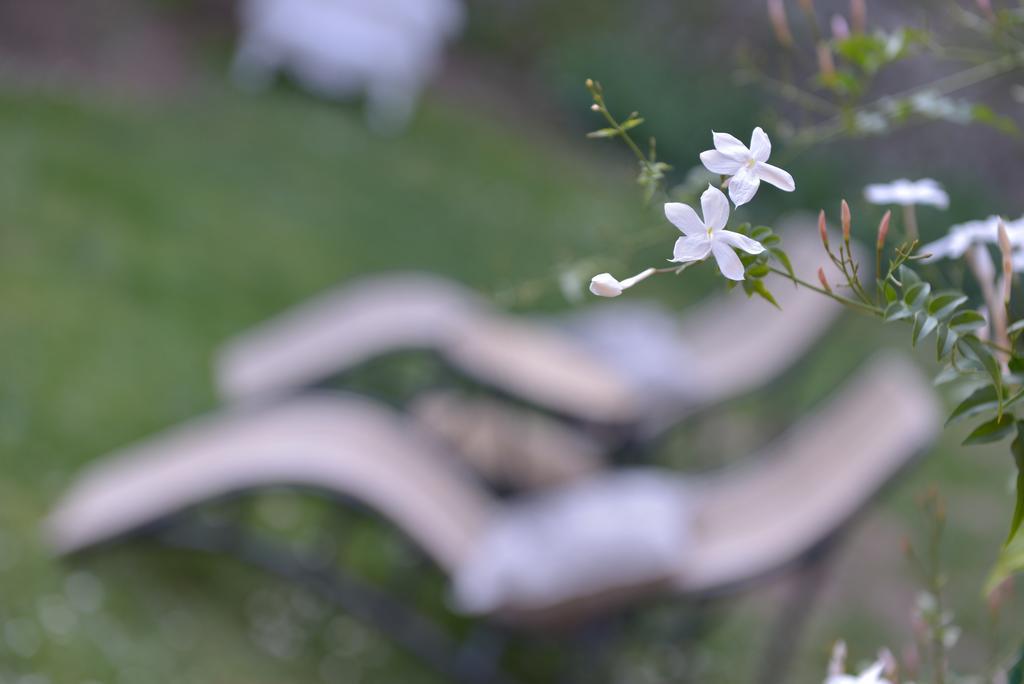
{"x":708,"y":235}
{"x":906,"y":193}
{"x":606,"y":285}
{"x":746,"y":166}
{"x":962,"y":236}
{"x":872,"y":675}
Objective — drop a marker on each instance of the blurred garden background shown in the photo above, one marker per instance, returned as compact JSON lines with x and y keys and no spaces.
{"x":149,"y":210}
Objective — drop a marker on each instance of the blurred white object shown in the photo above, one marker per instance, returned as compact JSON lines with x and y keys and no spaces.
{"x":583,"y":549}
{"x":906,"y":193}
{"x":385,"y":49}
{"x":624,"y":528}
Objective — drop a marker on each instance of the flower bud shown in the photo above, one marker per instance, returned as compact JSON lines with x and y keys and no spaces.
{"x":1000,"y":595}
{"x":986,"y":7}
{"x":589,"y":83}
{"x":780,"y":25}
{"x":1007,"y":252}
{"x":859,"y":15}
{"x":883,"y":228}
{"x":604,"y":285}
{"x":840,"y":28}
{"x":807,"y":5}
{"x":847,"y":221}
{"x":824,"y":280}
{"x":595,"y":107}
{"x":826,"y":64}
{"x":823,"y":229}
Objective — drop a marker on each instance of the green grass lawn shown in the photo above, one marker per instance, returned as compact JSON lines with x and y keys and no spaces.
{"x":136,"y":237}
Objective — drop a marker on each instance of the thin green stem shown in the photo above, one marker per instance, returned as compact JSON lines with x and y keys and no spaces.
{"x":852,"y":303}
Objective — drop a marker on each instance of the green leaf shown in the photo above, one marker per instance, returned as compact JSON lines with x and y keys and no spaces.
{"x":944,"y":341}
{"x":975,"y":348}
{"x":985,"y":115}
{"x":761,"y":233}
{"x":762,"y":290}
{"x":923,"y":327}
{"x":984,"y":399}
{"x":631,"y":123}
{"x":1015,"y":328}
{"x":1009,"y":563}
{"x":603,"y":133}
{"x":890,"y":292}
{"x":992,"y":430}
{"x":1014,"y":400}
{"x":759,"y":270}
{"x":783,"y":259}
{"x":1017,"y":448}
{"x":1016,"y":673}
{"x":897,"y":311}
{"x":945,"y":303}
{"x":947,"y":375}
{"x":966,"y":321}
{"x":907,"y":277}
{"x":916,"y":295}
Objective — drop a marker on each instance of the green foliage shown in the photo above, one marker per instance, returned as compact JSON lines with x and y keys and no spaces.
{"x":1016,"y":674}
{"x":870,"y":53}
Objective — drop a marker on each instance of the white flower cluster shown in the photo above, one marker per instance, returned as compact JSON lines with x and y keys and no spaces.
{"x":963,"y":236}
{"x":707,"y":236}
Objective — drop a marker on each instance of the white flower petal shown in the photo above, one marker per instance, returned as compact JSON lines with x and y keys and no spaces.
{"x":776,"y":176}
{"x":760,"y":145}
{"x":684,"y":218}
{"x":743,"y":186}
{"x":872,"y":675}
{"x":604,"y":285}
{"x":716,"y":162}
{"x":739,"y":241}
{"x":728,"y":263}
{"x":691,"y":248}
{"x":715,"y":207}
{"x":730,"y":146}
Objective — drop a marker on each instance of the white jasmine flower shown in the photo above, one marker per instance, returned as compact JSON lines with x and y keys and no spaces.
{"x":605,"y":285}
{"x":962,"y":236}
{"x":872,"y":675}
{"x":702,"y":237}
{"x":746,"y":166}
{"x":907,"y":193}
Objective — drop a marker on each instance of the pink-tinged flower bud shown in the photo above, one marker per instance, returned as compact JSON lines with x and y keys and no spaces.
{"x":824,"y":280}
{"x":595,"y":107}
{"x":1007,"y":252}
{"x":780,"y":25}
{"x":859,"y":15}
{"x":986,"y":7}
{"x":847,"y":221}
{"x":840,"y":28}
{"x":883,"y":229}
{"x":823,"y":229}
{"x":826,"y":63}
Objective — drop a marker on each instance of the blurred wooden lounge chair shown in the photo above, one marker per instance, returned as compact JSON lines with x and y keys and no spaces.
{"x":732,"y":527}
{"x":618,"y":364}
